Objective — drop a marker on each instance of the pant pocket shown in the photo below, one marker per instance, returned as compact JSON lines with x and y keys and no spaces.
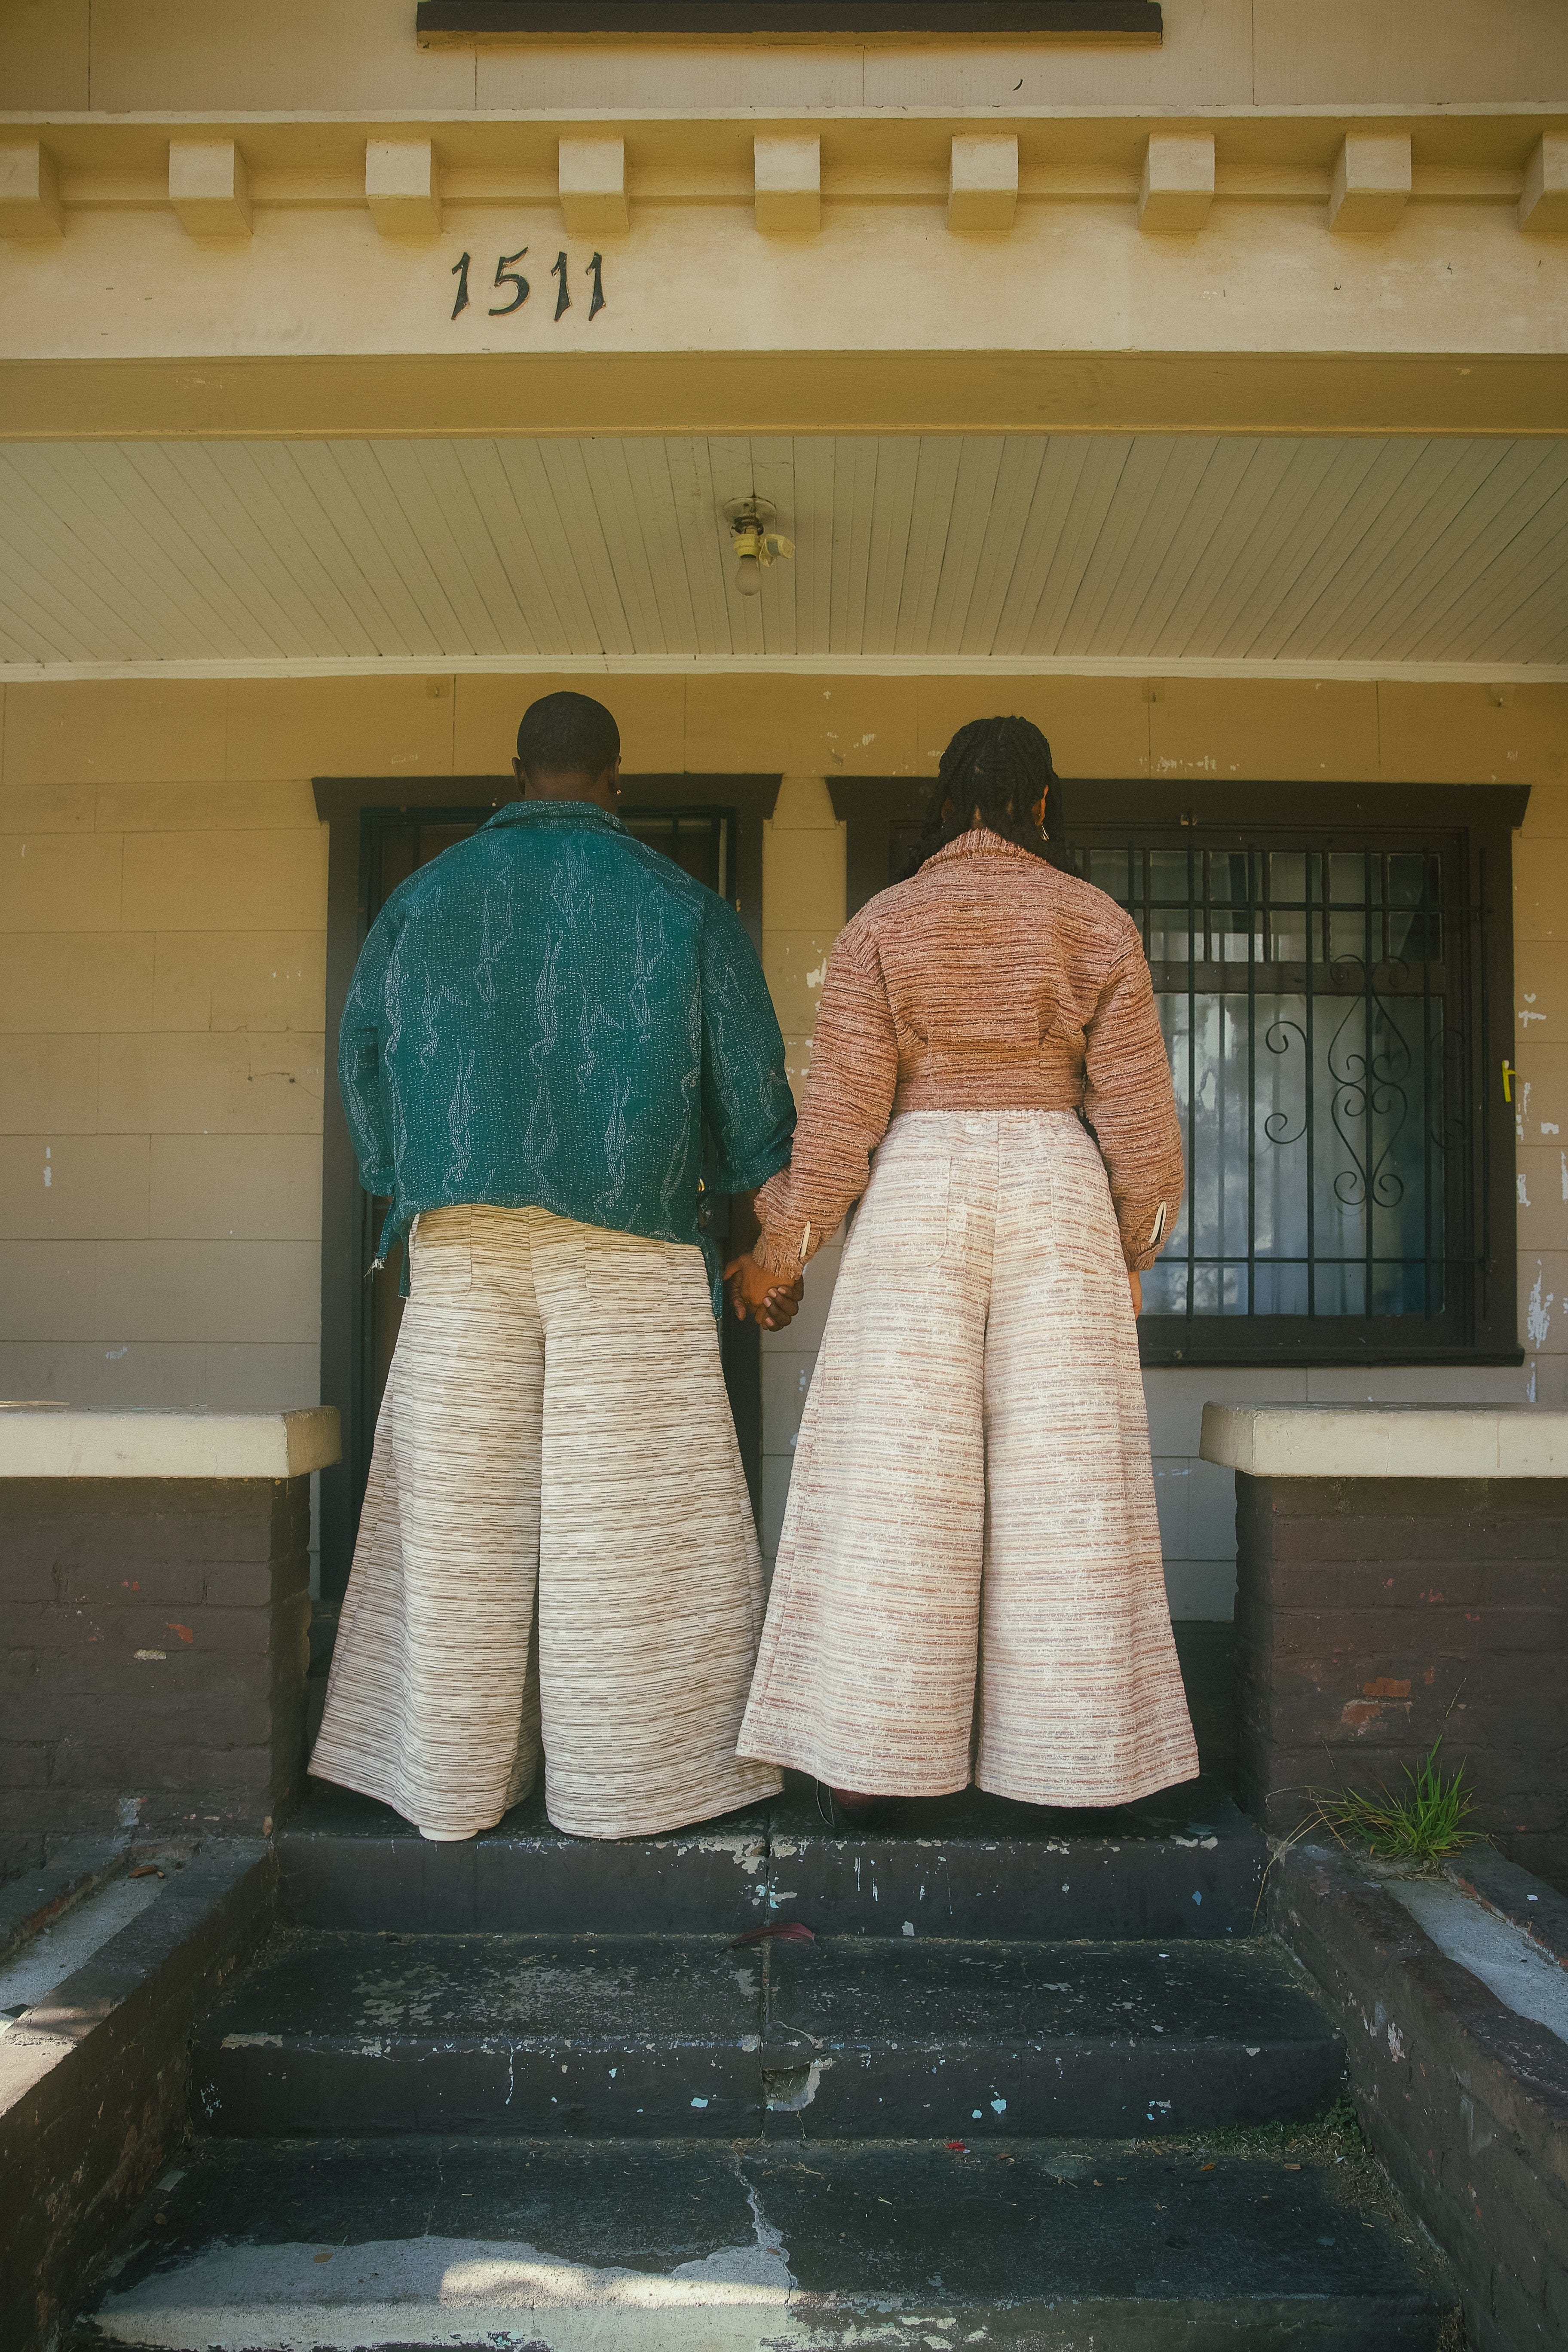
{"x":442,"y":1264}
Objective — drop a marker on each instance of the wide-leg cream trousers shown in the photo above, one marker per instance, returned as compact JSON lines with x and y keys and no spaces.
{"x":556,"y":1534}
{"x":969,"y":1580}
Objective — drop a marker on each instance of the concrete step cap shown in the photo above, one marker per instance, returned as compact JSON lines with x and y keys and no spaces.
{"x":49,"y":1441}
{"x":1386,"y":1440}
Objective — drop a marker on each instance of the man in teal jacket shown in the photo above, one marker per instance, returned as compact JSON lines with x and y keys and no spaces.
{"x":548,"y":1028}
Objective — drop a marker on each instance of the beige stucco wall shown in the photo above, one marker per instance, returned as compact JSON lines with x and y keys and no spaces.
{"x":713,"y":325}
{"x":125,"y":55}
{"x":161,"y":909}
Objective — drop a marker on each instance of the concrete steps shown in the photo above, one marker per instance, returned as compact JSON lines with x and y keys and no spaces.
{"x":1185,"y":1864}
{"x":1036,"y":2083}
{"x":846,"y":2037}
{"x":326,"y":2245}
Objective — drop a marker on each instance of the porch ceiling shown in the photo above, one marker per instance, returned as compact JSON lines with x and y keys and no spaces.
{"x":1251,"y":556}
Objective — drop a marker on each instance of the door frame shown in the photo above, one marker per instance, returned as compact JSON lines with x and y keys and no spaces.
{"x":346,"y":806}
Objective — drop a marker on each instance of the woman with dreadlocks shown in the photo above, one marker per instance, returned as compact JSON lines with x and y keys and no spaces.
{"x":969,"y":1581}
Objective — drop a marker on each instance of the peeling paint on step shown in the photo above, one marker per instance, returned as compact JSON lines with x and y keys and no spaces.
{"x":790,"y":2089}
{"x":438,"y":2292}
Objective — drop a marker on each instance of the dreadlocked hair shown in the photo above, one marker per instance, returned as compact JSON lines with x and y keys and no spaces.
{"x":999,"y":767}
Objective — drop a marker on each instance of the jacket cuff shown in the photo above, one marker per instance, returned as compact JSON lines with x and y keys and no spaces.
{"x":781,"y":1253}
{"x":1143,"y":1239}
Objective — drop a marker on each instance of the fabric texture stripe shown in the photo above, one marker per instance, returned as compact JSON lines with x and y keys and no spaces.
{"x":969,"y":1579}
{"x":556,"y":1535}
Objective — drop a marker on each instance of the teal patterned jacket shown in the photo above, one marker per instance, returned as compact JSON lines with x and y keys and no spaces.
{"x":551,"y":1014}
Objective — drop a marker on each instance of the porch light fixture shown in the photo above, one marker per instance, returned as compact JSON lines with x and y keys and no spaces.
{"x":755,"y":541}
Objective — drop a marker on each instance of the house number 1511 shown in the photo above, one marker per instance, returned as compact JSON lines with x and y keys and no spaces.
{"x":511,"y":280}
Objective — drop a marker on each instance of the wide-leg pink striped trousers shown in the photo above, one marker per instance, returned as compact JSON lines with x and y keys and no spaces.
{"x":969,"y":1581}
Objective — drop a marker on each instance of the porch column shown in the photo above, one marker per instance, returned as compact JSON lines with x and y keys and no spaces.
{"x":155,"y":1616}
{"x":1401,"y":1578}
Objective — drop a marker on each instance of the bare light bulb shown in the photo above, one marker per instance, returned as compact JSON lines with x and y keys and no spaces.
{"x":749,"y":576}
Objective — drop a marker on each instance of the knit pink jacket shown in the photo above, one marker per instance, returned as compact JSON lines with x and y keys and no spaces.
{"x":990,"y":982}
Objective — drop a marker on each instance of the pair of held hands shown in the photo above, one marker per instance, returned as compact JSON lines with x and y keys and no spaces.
{"x":767,"y":1299}
{"x":773,"y":1304}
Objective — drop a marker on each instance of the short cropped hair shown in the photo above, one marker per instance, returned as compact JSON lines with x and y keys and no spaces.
{"x":568,"y":734}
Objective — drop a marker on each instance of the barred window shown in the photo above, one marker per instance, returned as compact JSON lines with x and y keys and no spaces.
{"x":1333,"y":985}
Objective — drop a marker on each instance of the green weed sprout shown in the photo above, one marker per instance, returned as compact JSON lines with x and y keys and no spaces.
{"x":1424,"y":1824}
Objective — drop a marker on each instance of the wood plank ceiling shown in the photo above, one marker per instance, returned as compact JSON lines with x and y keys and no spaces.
{"x":1146,"y":550}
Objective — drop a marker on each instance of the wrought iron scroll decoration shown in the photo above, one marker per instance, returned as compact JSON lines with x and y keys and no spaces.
{"x":1276,"y":1127}
{"x":1363,"y":1091}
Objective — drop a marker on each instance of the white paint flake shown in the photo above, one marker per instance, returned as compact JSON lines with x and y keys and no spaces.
{"x":770,"y":2242}
{"x":1537,"y":1320}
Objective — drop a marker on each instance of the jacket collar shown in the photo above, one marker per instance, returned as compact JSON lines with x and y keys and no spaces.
{"x":980,"y":842}
{"x":587,"y":813}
